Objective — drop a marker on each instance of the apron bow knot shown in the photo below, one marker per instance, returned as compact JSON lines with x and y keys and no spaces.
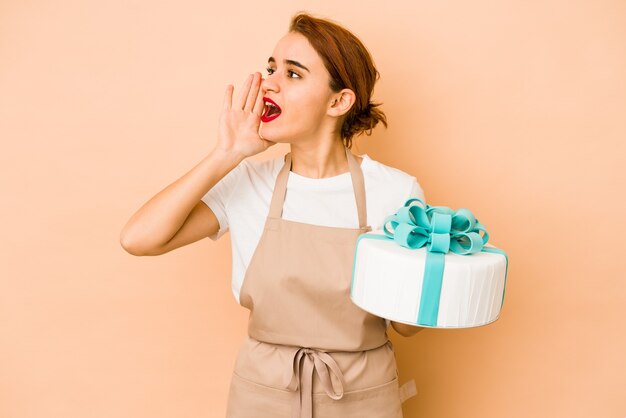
{"x":305,"y":361}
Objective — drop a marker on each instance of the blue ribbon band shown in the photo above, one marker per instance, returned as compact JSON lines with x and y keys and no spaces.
{"x":441,"y":230}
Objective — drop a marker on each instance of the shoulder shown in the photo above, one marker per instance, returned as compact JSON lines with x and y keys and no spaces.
{"x":267,"y":167}
{"x":258,"y":174}
{"x":387,"y":189}
{"x":380,"y":173}
{"x":374,"y":166}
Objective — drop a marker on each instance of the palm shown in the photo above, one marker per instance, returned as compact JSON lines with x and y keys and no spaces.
{"x":239,"y":122}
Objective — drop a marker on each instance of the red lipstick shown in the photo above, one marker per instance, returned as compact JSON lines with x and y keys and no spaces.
{"x":271,"y":111}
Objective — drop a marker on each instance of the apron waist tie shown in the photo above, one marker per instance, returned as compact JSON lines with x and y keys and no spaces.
{"x":305,"y":360}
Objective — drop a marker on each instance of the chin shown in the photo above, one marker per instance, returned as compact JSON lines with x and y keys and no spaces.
{"x":270,"y":136}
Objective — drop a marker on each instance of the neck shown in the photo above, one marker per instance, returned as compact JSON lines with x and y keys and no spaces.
{"x":317,"y":160}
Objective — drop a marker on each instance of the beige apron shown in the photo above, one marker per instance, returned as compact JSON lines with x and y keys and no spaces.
{"x":310,"y":351}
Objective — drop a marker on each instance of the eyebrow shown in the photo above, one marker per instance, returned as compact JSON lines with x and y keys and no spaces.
{"x":292,"y":62}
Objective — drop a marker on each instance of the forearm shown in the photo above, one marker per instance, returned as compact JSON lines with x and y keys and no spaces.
{"x":159,"y":219}
{"x":406,"y":330}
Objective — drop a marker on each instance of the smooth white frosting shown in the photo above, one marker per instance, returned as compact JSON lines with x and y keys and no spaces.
{"x":387,"y":281}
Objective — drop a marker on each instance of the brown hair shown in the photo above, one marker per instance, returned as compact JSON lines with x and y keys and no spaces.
{"x":350,"y":66}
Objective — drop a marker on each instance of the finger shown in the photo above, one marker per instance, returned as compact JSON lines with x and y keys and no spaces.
{"x":228,"y":98}
{"x":258,"y":105}
{"x":243,"y":94}
{"x":253,"y":92}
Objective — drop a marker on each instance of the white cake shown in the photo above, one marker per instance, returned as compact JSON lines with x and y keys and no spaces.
{"x":387,"y":281}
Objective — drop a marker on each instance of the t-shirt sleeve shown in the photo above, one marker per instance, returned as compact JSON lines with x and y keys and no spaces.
{"x":218,"y":196}
{"x":417,"y":191}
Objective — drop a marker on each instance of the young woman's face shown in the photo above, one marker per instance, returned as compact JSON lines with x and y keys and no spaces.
{"x":298,"y":83}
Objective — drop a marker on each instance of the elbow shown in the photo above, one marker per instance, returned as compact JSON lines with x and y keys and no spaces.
{"x":131,"y":246}
{"x":128,"y":246}
{"x":138,"y":247}
{"x":406,"y":330}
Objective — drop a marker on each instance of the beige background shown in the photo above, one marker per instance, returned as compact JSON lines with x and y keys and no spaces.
{"x":513,"y":109}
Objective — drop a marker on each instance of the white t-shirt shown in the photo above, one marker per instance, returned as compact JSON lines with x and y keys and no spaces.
{"x":241,"y":201}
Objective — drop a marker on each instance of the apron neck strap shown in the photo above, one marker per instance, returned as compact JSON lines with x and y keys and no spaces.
{"x":358,"y":184}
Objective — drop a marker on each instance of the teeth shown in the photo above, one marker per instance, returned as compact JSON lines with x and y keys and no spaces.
{"x":271,"y":109}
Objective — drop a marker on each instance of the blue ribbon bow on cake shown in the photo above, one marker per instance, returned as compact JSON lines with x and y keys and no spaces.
{"x":441,"y":230}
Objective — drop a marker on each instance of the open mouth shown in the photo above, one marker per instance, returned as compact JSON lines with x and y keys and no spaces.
{"x":271,"y":110}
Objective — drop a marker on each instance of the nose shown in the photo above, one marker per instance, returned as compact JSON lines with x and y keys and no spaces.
{"x":269,"y":84}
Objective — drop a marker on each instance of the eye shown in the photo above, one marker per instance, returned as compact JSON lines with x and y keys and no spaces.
{"x":291,"y":72}
{"x":270,"y":71}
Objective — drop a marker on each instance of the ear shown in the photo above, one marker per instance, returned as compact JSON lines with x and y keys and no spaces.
{"x":341,"y":103}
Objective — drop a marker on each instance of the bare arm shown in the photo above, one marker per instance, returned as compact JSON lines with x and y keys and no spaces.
{"x":176,"y":216}
{"x":406,"y":330}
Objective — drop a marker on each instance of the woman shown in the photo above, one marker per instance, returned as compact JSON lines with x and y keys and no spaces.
{"x":294,"y":222}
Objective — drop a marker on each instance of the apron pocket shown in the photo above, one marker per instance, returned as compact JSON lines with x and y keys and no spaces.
{"x":382,"y":401}
{"x":260,"y":387}
{"x":248,"y":399}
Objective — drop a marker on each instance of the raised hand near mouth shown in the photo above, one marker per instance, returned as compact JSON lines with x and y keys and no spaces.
{"x":240,"y":121}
